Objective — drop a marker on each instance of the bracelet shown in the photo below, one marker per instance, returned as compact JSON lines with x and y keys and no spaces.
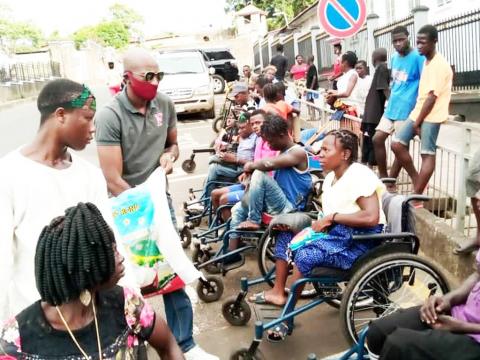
{"x":333,"y":216}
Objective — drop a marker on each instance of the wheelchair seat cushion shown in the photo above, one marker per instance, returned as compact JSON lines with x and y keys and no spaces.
{"x":329,"y":272}
{"x":295,"y":221}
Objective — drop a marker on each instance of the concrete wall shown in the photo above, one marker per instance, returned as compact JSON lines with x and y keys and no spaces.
{"x":26,"y":90}
{"x":437,"y":241}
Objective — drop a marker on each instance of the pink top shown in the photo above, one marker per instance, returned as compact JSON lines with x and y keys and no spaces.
{"x":299,"y":71}
{"x":337,"y":65}
{"x":262,"y":150}
{"x":470,"y":311}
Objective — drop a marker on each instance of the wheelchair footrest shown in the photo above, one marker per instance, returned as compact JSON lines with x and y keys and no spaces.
{"x":266,"y":312}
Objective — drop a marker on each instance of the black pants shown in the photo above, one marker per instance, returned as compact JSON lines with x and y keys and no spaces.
{"x":403,"y":336}
{"x":368,"y":151}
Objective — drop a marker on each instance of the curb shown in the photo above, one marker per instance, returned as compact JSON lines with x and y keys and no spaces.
{"x":10,"y":104}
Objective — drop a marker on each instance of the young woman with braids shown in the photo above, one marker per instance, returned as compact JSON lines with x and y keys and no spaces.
{"x":351,"y":204}
{"x":82,"y":313}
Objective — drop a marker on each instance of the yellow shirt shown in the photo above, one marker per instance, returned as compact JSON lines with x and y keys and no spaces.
{"x":436,"y":76}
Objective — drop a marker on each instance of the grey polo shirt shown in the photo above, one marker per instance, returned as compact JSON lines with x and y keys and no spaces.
{"x":141,"y":137}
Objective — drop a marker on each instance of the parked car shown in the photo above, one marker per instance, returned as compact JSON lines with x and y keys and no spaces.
{"x":225,"y":65}
{"x":187,"y":81}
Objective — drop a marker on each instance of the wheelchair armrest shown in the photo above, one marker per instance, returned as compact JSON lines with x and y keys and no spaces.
{"x":416,"y":197}
{"x":388,"y":180}
{"x":383,"y":236}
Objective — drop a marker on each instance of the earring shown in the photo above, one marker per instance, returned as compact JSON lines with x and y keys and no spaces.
{"x":85,"y":297}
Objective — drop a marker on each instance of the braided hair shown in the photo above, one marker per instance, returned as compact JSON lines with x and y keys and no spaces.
{"x":74,"y":252}
{"x":348,"y":140}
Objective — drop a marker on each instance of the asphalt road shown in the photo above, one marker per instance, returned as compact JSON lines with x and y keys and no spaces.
{"x":317,"y":331}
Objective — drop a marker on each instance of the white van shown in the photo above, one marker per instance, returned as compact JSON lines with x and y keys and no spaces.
{"x":187,"y":81}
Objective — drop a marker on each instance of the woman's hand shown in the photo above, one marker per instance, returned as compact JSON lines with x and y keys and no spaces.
{"x":448,"y":323}
{"x":434,"y":306}
{"x":322,"y":224}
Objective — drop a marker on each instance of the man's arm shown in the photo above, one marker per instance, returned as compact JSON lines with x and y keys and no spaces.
{"x":111,"y":162}
{"x":290,"y":159}
{"x":426,"y":109}
{"x":171,"y":152}
{"x":6,"y":247}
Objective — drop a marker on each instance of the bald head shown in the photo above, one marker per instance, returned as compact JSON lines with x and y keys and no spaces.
{"x":379,"y":55}
{"x":139,"y":60}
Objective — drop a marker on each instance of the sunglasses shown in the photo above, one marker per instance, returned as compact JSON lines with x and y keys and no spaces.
{"x":150,"y":75}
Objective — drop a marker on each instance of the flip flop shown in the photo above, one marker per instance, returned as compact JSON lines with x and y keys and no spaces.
{"x":279,"y":333}
{"x":259,"y":299}
{"x":464,"y":249}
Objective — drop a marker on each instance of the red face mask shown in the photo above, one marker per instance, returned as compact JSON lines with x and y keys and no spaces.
{"x":143,"y":89}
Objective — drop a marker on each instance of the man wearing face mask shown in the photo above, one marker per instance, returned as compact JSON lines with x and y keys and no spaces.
{"x":136,"y":133}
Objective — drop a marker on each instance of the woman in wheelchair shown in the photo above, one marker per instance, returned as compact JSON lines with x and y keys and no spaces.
{"x":351,"y":202}
{"x":446,"y":327}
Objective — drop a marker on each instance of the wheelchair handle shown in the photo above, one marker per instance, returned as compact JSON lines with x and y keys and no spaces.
{"x":416,"y":197}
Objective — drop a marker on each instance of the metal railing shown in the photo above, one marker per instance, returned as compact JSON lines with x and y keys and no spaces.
{"x":447,"y":184}
{"x":21,"y":72}
{"x":458,"y":41}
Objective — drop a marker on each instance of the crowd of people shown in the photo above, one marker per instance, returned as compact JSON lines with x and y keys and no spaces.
{"x":62,"y":265}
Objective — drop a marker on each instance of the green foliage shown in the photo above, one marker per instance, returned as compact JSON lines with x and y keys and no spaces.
{"x":115,"y":32}
{"x":291,"y":8}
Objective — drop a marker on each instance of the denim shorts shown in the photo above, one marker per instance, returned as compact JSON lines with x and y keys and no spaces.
{"x":235,"y":193}
{"x":428,"y":136}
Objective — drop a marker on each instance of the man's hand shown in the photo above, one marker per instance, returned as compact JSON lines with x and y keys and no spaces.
{"x":228,"y":157}
{"x":166,"y":162}
{"x":433,"y":307}
{"x":417,"y":129}
{"x":322,"y":224}
{"x":248,"y":167}
{"x":448,"y":323}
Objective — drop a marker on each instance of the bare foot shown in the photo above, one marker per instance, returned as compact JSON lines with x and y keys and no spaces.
{"x":248,"y":225}
{"x":468,"y":247}
{"x":268,"y":297}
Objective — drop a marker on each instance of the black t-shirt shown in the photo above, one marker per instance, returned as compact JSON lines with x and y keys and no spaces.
{"x":312,"y":73}
{"x":375,"y":102}
{"x":281,"y":63}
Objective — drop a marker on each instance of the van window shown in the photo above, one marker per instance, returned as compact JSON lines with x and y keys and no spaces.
{"x":181,"y":63}
{"x":219,"y":55}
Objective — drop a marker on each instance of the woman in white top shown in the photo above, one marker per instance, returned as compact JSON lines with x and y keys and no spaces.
{"x":347,"y":82}
{"x":351,"y":202}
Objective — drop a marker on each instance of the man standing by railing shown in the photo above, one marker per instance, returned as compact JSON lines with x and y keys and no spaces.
{"x":406,"y":68}
{"x":430,"y":111}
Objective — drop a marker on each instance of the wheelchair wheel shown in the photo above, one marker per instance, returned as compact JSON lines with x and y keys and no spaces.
{"x":185,"y":237}
{"x":266,"y":262}
{"x":218,"y":123}
{"x":385,"y":285}
{"x":236,"y":314}
{"x":210,"y":290}
{"x":200,"y":256}
{"x":189,"y":166}
{"x":242,"y":354}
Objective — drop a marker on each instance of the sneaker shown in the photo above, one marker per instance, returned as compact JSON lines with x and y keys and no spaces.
{"x":197,"y":353}
{"x":194,"y":208}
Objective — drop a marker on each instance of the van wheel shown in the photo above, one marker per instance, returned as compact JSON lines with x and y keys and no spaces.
{"x":218,"y":84}
{"x":210,"y":114}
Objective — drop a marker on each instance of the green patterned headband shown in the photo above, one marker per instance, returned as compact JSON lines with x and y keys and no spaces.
{"x":80,"y":101}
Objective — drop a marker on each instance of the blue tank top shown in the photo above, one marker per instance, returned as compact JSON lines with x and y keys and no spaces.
{"x":294,"y":183}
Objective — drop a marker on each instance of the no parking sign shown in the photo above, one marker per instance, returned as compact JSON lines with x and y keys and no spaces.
{"x":342,"y":18}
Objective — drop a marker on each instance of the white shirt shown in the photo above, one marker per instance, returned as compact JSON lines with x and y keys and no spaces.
{"x":31,"y":195}
{"x":357,"y":181}
{"x":360,"y":92}
{"x":342,"y":85}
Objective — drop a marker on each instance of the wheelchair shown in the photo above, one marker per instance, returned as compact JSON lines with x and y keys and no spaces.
{"x":387,"y":278}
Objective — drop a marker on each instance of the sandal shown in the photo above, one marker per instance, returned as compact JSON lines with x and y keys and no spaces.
{"x":278,"y":333}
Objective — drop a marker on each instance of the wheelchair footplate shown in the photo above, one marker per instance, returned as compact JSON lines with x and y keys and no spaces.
{"x":266,"y":312}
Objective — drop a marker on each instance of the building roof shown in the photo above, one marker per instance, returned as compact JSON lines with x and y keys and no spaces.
{"x":250,"y":10}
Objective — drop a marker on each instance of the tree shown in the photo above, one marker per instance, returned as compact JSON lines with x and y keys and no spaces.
{"x":128,"y":17}
{"x":274,"y":8}
{"x":111,"y":33}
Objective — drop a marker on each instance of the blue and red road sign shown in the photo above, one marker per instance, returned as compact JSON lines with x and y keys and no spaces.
{"x":342,"y":18}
